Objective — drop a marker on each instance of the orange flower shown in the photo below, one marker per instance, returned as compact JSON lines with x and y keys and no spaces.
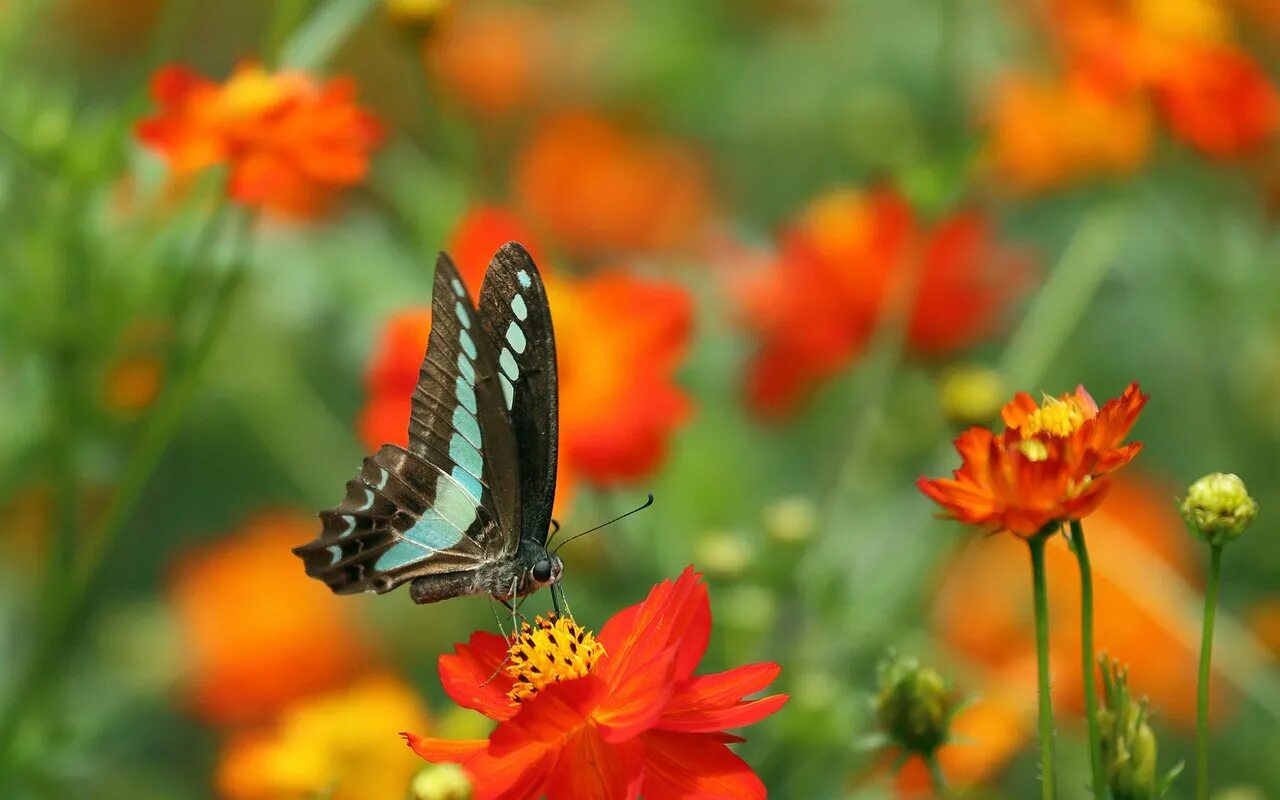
{"x":488,"y":57}
{"x":1221,"y":101}
{"x":331,"y":746}
{"x":615,"y":716}
{"x":1049,"y":465}
{"x":1050,"y":133}
{"x":244,"y":664}
{"x":598,"y":189}
{"x":289,"y":144}
{"x":619,"y":402}
{"x":817,"y":304}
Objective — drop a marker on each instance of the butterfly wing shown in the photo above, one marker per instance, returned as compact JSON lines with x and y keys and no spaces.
{"x":430,"y":509}
{"x":516,"y":319}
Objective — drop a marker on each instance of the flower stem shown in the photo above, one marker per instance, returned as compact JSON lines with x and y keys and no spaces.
{"x":936,"y":775}
{"x":1088,"y":661}
{"x":67,"y":617}
{"x":1048,"y":786}
{"x":1206,"y":658}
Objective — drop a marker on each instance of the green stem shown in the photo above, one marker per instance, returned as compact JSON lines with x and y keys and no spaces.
{"x":936,"y":775}
{"x":76,"y":603}
{"x":1087,"y":660}
{"x":1206,"y":659}
{"x":1048,"y":787}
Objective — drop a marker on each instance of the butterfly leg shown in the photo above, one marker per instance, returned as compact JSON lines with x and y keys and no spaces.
{"x":434,"y":588}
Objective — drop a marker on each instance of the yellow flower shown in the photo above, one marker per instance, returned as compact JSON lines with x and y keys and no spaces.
{"x":341,"y":746}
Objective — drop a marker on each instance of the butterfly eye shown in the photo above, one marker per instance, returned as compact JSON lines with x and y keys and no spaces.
{"x":542,"y":571}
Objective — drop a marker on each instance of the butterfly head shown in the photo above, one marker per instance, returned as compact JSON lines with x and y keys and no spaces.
{"x":546,"y":570}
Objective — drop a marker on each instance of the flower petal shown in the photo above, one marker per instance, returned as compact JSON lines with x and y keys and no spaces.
{"x":472,"y":678}
{"x":520,"y":774}
{"x":549,"y":716}
{"x":722,"y":689}
{"x":635,"y":704}
{"x":444,"y":751}
{"x":687,"y":766}
{"x":676,"y":613}
{"x":708,"y":720}
{"x":590,"y":767}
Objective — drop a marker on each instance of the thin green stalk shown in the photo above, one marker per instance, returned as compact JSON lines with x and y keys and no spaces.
{"x":77,"y":601}
{"x":936,"y":775}
{"x":1206,"y":659}
{"x":1089,"y":663}
{"x":1048,"y":781}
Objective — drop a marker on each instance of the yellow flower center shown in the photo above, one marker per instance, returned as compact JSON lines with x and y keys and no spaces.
{"x":549,"y":651}
{"x":1034,"y":449}
{"x":1057,"y":418}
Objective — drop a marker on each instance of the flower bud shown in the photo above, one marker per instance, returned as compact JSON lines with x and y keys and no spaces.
{"x":724,"y":554}
{"x":1128,"y":744}
{"x":971,"y":394}
{"x":1218,"y":508}
{"x":440,"y":782}
{"x":914,"y":706}
{"x":791,"y":520}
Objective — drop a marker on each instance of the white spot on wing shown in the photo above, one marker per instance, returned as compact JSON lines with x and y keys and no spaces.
{"x":515,"y":337}
{"x":457,"y":288}
{"x":508,"y":392}
{"x":508,"y":364}
{"x":524,"y":279}
{"x":519,"y":308}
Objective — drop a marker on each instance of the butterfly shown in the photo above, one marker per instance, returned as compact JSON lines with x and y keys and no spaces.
{"x":466,"y":507}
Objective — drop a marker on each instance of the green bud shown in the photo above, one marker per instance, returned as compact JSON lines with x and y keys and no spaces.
{"x":791,"y":520}
{"x":1129,"y":746}
{"x":440,"y":782}
{"x":914,"y":706}
{"x":971,"y":394}
{"x":1218,"y":508}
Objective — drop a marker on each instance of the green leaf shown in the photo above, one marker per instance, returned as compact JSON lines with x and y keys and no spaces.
{"x":316,"y":40}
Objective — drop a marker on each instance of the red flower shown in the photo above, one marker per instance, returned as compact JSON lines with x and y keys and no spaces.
{"x":288,"y":143}
{"x":1049,"y":465}
{"x":1221,"y":101}
{"x":814,"y":309}
{"x":599,"y":188}
{"x":619,"y":716}
{"x":619,"y":402}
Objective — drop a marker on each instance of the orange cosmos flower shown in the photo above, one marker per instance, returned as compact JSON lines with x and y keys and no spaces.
{"x":817,"y":304}
{"x":331,"y":746}
{"x":599,"y":189}
{"x":288,"y":143}
{"x":244,"y":664}
{"x":488,"y":58}
{"x":1220,"y":101}
{"x":1050,"y":133}
{"x":1049,"y":465}
{"x":619,"y":715}
{"x":619,"y":402}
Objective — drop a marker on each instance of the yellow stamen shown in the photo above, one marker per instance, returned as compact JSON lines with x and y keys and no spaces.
{"x":549,"y":651}
{"x":1057,"y":418}
{"x":1034,"y":449}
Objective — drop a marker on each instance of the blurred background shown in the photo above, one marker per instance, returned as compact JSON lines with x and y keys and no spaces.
{"x":793,"y":247}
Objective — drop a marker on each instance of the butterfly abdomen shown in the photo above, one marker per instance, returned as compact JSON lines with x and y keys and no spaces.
{"x":377,"y":537}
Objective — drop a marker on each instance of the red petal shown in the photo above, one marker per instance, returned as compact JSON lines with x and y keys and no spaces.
{"x":590,"y":767}
{"x":676,"y":614}
{"x":688,"y":766}
{"x":723,"y":688}
{"x":445,"y":751}
{"x":468,"y":676}
{"x":636,"y":704}
{"x":520,"y":774}
{"x":549,"y":716}
{"x":716,"y":719}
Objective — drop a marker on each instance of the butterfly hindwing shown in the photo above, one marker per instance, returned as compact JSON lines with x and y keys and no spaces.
{"x":516,"y":319}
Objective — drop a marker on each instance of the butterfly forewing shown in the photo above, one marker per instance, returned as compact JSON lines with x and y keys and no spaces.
{"x":430,"y":509}
{"x":516,"y":320}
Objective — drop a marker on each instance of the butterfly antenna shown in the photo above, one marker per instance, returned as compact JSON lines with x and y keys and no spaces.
{"x":638,"y":509}
{"x":555,"y":528}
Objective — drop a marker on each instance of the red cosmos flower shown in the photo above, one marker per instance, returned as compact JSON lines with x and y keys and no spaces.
{"x":816,"y":306}
{"x":1221,"y":101}
{"x":1050,"y":463}
{"x":617,"y":716}
{"x":289,"y":144}
{"x":619,"y":339}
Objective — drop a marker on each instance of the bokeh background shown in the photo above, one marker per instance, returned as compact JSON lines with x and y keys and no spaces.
{"x":793,"y":246}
